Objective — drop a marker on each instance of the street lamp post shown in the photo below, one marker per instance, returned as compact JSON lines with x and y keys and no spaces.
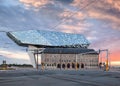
{"x":76,"y":62}
{"x":107,"y":58}
{"x":60,"y":60}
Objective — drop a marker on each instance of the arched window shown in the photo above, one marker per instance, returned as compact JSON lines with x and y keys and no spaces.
{"x":63,"y":65}
{"x":68,"y":65}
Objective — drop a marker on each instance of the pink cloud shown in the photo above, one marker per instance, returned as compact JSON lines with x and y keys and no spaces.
{"x":35,"y":3}
{"x":114,"y":3}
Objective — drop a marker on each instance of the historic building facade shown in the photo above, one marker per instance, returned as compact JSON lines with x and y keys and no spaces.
{"x":69,"y":58}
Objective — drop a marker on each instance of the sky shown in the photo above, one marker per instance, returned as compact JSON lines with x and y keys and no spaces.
{"x":98,"y":20}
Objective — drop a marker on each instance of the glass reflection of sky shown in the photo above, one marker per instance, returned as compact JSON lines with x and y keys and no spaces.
{"x":49,"y":38}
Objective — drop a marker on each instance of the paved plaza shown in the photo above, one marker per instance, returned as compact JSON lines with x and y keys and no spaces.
{"x":59,"y":78}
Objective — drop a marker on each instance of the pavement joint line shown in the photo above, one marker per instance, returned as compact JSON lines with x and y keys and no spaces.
{"x":5,"y":81}
{"x":76,"y":80}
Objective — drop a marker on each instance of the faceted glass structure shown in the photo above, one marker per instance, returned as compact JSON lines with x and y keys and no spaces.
{"x":48,"y":38}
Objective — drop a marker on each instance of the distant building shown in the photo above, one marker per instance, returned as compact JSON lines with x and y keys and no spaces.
{"x":69,"y":58}
{"x":56,"y":49}
{"x":3,"y":66}
{"x":4,"y":61}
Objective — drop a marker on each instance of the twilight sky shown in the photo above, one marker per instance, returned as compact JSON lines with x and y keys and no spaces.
{"x":98,"y":20}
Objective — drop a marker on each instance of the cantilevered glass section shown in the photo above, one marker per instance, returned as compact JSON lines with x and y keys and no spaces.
{"x":48,"y":38}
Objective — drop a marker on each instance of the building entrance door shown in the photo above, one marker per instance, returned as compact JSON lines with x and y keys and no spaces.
{"x":58,"y":66}
{"x":82,"y":65}
{"x":63,"y":65}
{"x":68,"y":65}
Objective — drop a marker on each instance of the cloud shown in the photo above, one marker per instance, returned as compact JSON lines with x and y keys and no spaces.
{"x":14,"y":54}
{"x":105,"y":10}
{"x":114,"y":3}
{"x":35,"y":3}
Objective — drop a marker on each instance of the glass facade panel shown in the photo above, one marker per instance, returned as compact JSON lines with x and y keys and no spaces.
{"x":48,"y":38}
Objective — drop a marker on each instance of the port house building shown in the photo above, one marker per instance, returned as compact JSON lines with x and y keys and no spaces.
{"x":57,"y":50}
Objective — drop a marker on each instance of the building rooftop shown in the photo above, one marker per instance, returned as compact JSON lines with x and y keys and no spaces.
{"x":69,"y":51}
{"x":42,"y":38}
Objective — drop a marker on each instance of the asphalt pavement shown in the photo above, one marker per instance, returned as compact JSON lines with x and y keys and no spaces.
{"x":59,"y":78}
